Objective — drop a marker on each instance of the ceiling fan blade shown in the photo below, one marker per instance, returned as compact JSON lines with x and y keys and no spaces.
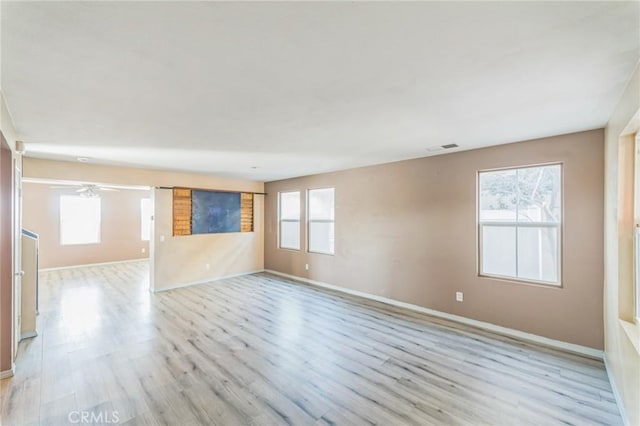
{"x":108,"y":189}
{"x":85,"y":189}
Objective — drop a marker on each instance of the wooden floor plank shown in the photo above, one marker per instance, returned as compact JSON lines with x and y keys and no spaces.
{"x":262,"y":350}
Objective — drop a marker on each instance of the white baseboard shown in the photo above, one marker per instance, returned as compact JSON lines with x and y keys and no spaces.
{"x":8,"y":373}
{"x":58,"y":268}
{"x":28,"y":335}
{"x":533,"y":338}
{"x":616,"y":394}
{"x":205,"y":281}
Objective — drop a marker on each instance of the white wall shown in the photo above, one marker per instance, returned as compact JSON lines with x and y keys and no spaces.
{"x":623,"y":359}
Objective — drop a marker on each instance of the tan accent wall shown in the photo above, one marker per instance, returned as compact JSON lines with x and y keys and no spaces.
{"x":119,"y":234}
{"x":7,"y":254}
{"x":182,"y":260}
{"x":6,"y":257}
{"x":408,"y":231}
{"x":623,"y":359}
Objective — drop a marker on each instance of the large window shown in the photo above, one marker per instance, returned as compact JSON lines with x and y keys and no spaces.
{"x":289,"y":219}
{"x":321,"y":214}
{"x":145,"y":219}
{"x":79,"y":220}
{"x":520,"y":220}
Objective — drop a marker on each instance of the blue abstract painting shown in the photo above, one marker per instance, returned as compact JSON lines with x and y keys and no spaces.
{"x":215,"y":212}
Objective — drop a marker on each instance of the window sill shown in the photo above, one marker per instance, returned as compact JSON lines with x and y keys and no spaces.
{"x":633,"y":333}
{"x":321,"y":252}
{"x":514,"y":280}
{"x":288,"y":249}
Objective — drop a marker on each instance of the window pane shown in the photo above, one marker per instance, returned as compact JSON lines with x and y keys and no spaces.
{"x":539,"y":194}
{"x":498,"y":197}
{"x":290,"y":220}
{"x":79,"y":220}
{"x":145,"y":219}
{"x":321,"y":237}
{"x":321,"y":204}
{"x":290,"y":205}
{"x":538,"y":253}
{"x":290,"y":235}
{"x":499,"y":250}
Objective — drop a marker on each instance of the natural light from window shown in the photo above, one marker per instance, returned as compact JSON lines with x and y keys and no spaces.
{"x":520,"y":218}
{"x":145,"y":219}
{"x":321,"y":215}
{"x":79,"y":220}
{"x":289,"y":211}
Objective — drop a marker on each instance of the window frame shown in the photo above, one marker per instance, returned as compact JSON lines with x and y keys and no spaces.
{"x":60,"y":226}
{"x":515,"y":224}
{"x":308,"y":220}
{"x":280,"y":220}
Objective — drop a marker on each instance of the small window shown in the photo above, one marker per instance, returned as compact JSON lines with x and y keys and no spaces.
{"x":321,"y":214}
{"x":79,"y":220}
{"x":520,"y":219}
{"x":145,"y":219}
{"x":289,"y":220}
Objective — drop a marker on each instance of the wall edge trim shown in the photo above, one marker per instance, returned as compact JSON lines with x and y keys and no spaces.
{"x":86,"y":265}
{"x":616,"y":394}
{"x":505,"y":331}
{"x":8,"y":373}
{"x":206,"y":281}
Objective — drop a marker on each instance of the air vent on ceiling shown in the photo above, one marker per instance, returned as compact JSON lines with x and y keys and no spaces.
{"x":449,"y":146}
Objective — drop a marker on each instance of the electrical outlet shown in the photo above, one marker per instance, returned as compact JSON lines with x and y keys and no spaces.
{"x":306,"y":266}
{"x":208,"y":266}
{"x":459,"y":296}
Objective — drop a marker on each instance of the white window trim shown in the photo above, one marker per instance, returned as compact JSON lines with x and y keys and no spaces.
{"x":280,"y":221}
{"x":310,"y":221}
{"x":516,"y":225}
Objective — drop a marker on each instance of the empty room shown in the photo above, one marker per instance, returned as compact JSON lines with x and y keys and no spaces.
{"x":319,"y":213}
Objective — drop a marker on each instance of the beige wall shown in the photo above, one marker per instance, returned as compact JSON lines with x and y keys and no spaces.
{"x":623,"y":360}
{"x":28,"y":297}
{"x":119,"y":233}
{"x":407,"y":231}
{"x":178,"y":260}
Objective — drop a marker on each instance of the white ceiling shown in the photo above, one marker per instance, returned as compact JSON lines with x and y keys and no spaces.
{"x":301,"y":88}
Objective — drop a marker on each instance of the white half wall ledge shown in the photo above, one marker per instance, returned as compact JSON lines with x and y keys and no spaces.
{"x":505,"y":331}
{"x":28,"y":335}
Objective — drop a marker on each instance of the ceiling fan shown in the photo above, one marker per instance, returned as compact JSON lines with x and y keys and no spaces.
{"x":86,"y":189}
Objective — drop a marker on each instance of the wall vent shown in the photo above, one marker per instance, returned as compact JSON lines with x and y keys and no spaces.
{"x":449,"y":146}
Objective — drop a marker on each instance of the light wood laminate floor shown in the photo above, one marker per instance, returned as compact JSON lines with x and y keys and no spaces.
{"x":261,"y":350}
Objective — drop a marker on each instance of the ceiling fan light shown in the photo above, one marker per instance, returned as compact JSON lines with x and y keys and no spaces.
{"x":89,"y":193}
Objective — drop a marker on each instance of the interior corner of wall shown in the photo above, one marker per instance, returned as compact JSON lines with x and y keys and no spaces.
{"x":6,"y":123}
